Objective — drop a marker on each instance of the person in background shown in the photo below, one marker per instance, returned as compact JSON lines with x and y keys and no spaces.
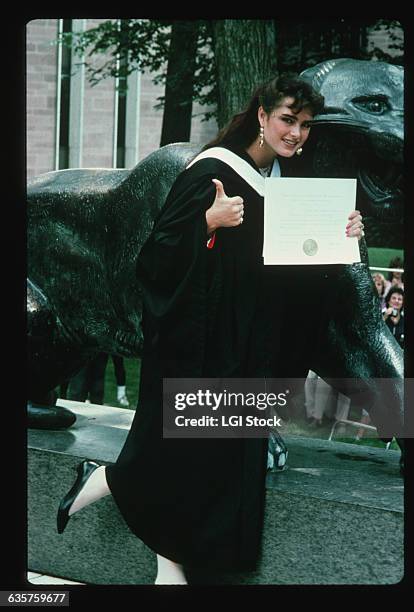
{"x":322,"y":401}
{"x":382,"y":286}
{"x":393,"y":313}
{"x":365,"y":420}
{"x":395,"y":279}
{"x":120,"y":377}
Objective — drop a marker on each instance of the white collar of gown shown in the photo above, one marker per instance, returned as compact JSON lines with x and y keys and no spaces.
{"x":239,"y":165}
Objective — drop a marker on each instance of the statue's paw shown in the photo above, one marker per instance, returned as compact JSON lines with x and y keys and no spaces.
{"x":49,"y":417}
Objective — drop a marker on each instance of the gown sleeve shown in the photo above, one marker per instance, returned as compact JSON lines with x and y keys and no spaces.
{"x":173,"y":269}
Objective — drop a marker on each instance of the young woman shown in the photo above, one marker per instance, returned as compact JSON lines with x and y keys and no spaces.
{"x":212,"y":309}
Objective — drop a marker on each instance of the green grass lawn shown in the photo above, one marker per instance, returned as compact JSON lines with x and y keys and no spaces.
{"x":382,"y":257}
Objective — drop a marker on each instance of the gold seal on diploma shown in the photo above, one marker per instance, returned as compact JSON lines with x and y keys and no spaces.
{"x":310,"y":247}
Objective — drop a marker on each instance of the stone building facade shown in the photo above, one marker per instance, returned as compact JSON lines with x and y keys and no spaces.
{"x":81,"y":131}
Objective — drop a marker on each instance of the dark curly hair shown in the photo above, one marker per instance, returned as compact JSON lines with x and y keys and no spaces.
{"x":397,"y":262}
{"x":243,"y":128}
{"x":391,"y":291}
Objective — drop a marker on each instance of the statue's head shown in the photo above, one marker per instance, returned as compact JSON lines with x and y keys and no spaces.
{"x":364,"y":113}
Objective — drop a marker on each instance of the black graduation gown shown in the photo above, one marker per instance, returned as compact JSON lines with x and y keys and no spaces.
{"x":210,"y":313}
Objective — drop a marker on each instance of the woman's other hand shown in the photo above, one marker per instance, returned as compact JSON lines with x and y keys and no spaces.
{"x":225,"y":211}
{"x":355,"y":226}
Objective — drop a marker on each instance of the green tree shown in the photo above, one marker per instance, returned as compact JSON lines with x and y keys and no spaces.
{"x":218,"y":63}
{"x":150,"y":45}
{"x":395,"y":34}
{"x":242,"y":54}
{"x":305,"y":43}
{"x":179,"y":83}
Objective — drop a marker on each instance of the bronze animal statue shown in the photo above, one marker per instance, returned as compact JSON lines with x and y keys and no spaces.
{"x":361,"y":134}
{"x":86,"y":228}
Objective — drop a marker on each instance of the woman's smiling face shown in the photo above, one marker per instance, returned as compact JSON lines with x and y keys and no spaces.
{"x":396,"y":300}
{"x":285,"y":131}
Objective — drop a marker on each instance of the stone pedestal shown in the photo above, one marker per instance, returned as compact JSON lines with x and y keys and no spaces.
{"x":334,"y":516}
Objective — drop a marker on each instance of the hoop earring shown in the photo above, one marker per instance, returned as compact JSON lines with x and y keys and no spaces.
{"x":299,"y":151}
{"x":261,"y":136}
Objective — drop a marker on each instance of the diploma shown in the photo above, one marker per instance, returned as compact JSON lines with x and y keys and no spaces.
{"x":305,"y":221}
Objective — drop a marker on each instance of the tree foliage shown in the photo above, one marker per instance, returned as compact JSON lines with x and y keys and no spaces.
{"x":297,"y":45}
{"x":179,"y":84}
{"x":394,"y":31}
{"x":146,"y":44}
{"x":302,"y":44}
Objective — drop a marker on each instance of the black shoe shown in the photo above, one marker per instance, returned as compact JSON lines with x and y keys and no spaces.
{"x":84,"y":470}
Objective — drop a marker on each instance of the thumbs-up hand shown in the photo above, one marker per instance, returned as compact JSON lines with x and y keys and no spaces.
{"x":225,"y":211}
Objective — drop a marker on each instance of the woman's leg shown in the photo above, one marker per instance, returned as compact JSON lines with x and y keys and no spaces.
{"x":169,"y":572}
{"x":94,"y":488}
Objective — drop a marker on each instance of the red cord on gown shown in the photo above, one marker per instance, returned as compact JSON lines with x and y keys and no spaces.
{"x":211,"y":241}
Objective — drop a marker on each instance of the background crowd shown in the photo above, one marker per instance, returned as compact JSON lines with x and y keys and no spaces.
{"x":391,"y":294}
{"x":324,"y":403}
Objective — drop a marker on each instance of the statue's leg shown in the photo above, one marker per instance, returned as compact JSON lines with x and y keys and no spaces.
{"x":78,"y":386}
{"x":52,"y":358}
